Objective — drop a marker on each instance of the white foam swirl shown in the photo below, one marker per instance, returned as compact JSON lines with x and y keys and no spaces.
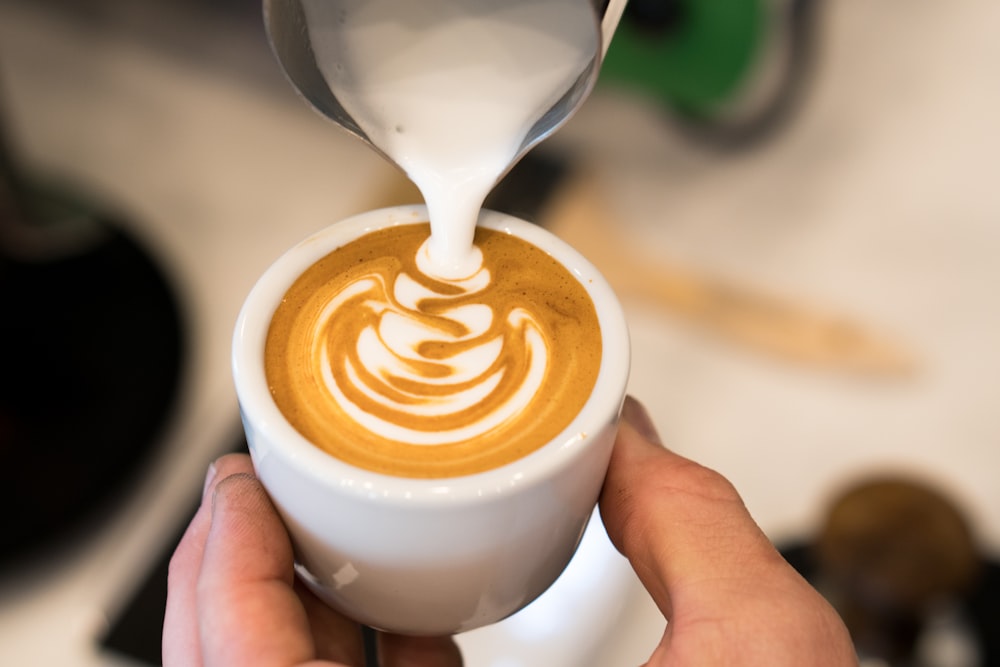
{"x":414,"y":367}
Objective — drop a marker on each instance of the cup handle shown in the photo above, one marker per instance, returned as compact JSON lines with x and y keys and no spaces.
{"x":612,"y":15}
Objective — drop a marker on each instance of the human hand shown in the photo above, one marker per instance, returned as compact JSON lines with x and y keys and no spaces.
{"x":729,"y":597}
{"x":233,"y":599}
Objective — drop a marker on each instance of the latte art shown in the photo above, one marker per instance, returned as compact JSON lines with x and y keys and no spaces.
{"x":394,"y":370}
{"x":457,"y":367}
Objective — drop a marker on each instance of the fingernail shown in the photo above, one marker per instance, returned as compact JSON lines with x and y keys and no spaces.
{"x":635,"y":415}
{"x":209,"y":478}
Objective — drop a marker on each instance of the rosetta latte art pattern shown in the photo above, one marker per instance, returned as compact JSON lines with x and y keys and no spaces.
{"x":393,"y":370}
{"x":423,"y":370}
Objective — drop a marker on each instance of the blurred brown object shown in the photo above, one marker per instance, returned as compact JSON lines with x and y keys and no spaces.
{"x":890,"y":553}
{"x":784,"y":328}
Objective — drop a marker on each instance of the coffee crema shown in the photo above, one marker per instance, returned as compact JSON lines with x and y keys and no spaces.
{"x":386,"y":367}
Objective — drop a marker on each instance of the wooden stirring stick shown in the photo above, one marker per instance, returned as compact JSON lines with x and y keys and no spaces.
{"x":751,"y":318}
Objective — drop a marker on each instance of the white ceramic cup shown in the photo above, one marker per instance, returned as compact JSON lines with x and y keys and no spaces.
{"x":429,"y":556}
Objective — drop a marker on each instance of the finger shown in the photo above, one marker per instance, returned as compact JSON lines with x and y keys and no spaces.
{"x":249,"y":613}
{"x":707,"y":565}
{"x":682,"y":526}
{"x":180,"y":623}
{"x":404,"y":651}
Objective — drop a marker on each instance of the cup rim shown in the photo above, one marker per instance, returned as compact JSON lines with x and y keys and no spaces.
{"x":257,"y":407}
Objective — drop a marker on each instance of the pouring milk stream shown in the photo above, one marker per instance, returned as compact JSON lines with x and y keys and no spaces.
{"x":450,"y":90}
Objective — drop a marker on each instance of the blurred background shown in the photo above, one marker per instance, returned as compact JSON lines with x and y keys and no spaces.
{"x":796,"y":200}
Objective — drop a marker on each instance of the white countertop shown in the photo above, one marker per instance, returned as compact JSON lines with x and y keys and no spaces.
{"x":880,"y":202}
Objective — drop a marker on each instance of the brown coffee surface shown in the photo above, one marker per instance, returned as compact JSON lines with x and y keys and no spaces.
{"x":434,"y":388}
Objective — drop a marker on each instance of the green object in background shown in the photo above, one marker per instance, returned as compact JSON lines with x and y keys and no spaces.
{"x":697,"y":60}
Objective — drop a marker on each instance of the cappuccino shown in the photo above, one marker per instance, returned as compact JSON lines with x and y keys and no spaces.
{"x":387,"y":366}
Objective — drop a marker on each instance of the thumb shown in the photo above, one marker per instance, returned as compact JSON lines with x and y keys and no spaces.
{"x":683,"y":527}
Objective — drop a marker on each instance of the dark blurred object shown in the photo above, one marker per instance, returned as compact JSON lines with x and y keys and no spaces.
{"x":731,"y":71}
{"x":890,"y":552}
{"x":898,"y":561}
{"x":92,"y":348}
